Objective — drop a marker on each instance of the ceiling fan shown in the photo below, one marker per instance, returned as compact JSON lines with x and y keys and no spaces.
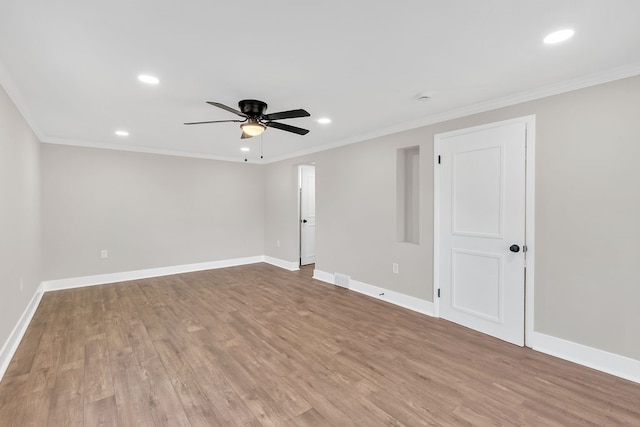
{"x":255,"y":121}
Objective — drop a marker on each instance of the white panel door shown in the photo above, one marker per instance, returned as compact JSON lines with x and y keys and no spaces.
{"x":307,"y":214}
{"x":481,"y":218}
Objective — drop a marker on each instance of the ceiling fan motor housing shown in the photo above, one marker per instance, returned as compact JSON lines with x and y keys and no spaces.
{"x":252,"y":107}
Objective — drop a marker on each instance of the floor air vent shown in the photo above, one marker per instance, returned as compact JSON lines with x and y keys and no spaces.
{"x":342,"y":280}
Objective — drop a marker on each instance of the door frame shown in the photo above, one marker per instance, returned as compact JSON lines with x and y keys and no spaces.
{"x":438,"y":141}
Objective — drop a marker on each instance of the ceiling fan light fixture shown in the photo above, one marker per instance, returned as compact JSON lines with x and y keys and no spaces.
{"x":252,"y":128}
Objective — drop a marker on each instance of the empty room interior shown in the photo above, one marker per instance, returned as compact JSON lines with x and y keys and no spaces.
{"x":289,"y":214}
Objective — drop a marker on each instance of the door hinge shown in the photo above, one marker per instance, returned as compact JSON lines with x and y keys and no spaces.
{"x":438,"y":293}
{"x":438,"y":159}
{"x":524,"y":248}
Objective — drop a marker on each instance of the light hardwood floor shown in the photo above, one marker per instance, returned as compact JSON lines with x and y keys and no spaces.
{"x":259,"y":346}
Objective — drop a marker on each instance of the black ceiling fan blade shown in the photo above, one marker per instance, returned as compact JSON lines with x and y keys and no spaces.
{"x":245,"y":135}
{"x":291,"y":114}
{"x":287,"y":128}
{"x":229,"y":109}
{"x":215,"y":121}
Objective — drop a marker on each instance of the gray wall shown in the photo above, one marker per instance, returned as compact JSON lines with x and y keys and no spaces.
{"x":19,"y":215}
{"x":587,"y":211}
{"x":147,"y":210}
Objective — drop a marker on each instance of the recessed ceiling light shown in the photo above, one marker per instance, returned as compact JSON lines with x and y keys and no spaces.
{"x":324,"y":120}
{"x":245,"y":149}
{"x":151,"y":80}
{"x":122,"y":133}
{"x":558,"y":36}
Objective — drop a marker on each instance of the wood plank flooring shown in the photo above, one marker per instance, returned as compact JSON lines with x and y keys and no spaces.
{"x":260,"y":346}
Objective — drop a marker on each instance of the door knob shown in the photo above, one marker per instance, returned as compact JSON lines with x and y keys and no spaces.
{"x":514,"y":248}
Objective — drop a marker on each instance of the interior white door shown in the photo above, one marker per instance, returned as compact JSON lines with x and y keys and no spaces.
{"x":307,"y":214}
{"x":482,"y":229}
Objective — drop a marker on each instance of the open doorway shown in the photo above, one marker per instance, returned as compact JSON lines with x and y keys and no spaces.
{"x":307,"y":210}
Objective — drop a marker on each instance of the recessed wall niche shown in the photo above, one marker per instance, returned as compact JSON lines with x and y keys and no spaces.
{"x":408,"y":195}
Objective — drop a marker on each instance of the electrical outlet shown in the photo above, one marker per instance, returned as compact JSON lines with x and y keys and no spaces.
{"x":395,"y":267}
{"x":278,"y":243}
{"x":104,"y":254}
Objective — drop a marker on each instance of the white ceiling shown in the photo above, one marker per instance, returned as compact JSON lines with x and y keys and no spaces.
{"x":71,"y":66}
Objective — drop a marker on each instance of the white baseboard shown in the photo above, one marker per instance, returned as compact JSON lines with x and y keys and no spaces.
{"x":324,"y":277}
{"x":601,"y":360}
{"x":406,"y":301}
{"x":100,"y":279}
{"x":11,"y":345}
{"x":402,"y":300}
{"x":287,"y":265}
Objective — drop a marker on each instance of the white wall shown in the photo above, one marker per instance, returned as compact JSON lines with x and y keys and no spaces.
{"x":147,"y":210}
{"x":587,"y":210}
{"x":19,"y":215}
